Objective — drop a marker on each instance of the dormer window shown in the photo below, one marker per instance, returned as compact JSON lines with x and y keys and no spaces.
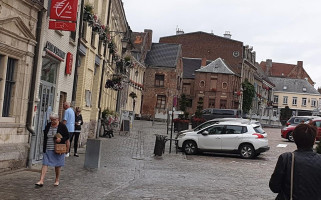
{"x":304,"y":89}
{"x":285,"y":87}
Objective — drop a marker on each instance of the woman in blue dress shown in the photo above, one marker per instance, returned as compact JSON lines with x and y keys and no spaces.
{"x":50,"y":158}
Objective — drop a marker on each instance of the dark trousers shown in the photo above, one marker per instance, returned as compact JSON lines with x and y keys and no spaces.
{"x":76,"y":134}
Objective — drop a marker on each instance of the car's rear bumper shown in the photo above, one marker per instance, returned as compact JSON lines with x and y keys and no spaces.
{"x":262,"y":149}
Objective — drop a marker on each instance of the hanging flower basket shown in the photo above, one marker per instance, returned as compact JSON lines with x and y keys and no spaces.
{"x":88,"y":13}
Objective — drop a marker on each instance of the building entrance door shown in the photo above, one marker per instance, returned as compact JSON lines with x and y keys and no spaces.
{"x":45,"y":108}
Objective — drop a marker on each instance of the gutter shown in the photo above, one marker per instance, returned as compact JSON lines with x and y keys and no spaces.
{"x":32,"y":91}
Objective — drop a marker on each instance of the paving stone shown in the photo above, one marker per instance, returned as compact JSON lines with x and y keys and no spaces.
{"x":129,"y":170}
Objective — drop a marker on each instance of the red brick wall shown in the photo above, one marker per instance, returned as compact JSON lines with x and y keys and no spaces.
{"x":211,"y":47}
{"x":169,"y":90}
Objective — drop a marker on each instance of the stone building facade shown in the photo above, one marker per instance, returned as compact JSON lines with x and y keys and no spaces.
{"x":18,"y":28}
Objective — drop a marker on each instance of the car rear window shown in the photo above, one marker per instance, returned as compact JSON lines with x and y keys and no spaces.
{"x":258,"y":130}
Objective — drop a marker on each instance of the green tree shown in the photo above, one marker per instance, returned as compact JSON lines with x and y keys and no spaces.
{"x":199,"y":108}
{"x":183,"y":103}
{"x":248,"y":95}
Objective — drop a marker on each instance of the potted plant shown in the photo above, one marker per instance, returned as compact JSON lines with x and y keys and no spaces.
{"x":88,"y":12}
{"x":180,"y":124}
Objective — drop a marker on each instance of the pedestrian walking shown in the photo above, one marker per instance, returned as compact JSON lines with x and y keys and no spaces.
{"x":50,"y":158}
{"x":69,"y":121}
{"x":78,"y":123}
{"x":297,"y":175}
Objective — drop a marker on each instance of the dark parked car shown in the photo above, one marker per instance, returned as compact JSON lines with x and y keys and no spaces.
{"x":213,"y":113}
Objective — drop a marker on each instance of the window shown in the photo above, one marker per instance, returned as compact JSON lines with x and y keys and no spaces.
{"x":211,"y":103}
{"x":9,"y":82}
{"x":214,"y":130}
{"x":304,"y":101}
{"x":213,"y":83}
{"x":224,"y":85}
{"x":73,"y":35}
{"x":276,"y":99}
{"x":93,"y":38}
{"x":202,"y":83}
{"x":234,"y":130}
{"x":88,"y":98}
{"x":294,"y":101}
{"x":223,"y":103}
{"x":84,"y":30}
{"x":187,"y":88}
{"x":285,"y":100}
{"x":161,"y":101}
{"x":313,"y":102}
{"x":159,"y":80}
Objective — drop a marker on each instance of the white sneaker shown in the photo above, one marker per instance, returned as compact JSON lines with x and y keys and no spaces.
{"x":67,"y":155}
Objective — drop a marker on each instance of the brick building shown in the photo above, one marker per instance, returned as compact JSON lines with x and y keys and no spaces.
{"x":233,"y":54}
{"x":217,"y":84}
{"x":274,"y":69}
{"x":162,"y":80}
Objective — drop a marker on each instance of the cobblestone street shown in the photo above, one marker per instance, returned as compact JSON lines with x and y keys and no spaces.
{"x":129,"y":170}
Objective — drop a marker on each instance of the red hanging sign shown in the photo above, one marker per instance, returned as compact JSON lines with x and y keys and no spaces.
{"x":65,"y":10}
{"x":69,"y":60}
{"x":61,"y":25}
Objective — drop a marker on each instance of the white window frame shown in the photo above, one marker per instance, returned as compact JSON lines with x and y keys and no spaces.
{"x":285,"y":99}
{"x":304,"y":101}
{"x":295,"y":101}
{"x":276,"y":99}
{"x":313,"y":103}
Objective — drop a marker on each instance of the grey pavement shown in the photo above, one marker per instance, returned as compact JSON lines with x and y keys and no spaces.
{"x":129,"y":170}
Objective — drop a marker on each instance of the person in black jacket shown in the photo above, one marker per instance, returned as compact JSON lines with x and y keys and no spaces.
{"x":307,"y":168}
{"x":78,"y":123}
{"x":50,"y":158}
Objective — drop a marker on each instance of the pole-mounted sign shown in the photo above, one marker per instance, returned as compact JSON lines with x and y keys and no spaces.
{"x":63,"y":15}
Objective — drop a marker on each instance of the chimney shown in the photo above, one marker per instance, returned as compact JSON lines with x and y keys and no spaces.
{"x":203,"y":62}
{"x":227,"y":34}
{"x":268,"y":65}
{"x":299,"y":64}
{"x":149,"y":38}
{"x":179,"y":31}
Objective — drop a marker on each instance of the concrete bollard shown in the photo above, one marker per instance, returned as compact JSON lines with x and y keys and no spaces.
{"x":93,"y":153}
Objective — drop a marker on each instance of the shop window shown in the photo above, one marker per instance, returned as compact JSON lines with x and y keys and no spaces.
{"x":161,"y":101}
{"x":159,"y":80}
{"x":9,"y":83}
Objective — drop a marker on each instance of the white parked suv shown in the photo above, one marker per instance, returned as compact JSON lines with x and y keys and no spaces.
{"x":248,"y":140}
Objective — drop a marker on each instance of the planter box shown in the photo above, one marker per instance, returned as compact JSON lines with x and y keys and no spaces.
{"x":180,"y":126}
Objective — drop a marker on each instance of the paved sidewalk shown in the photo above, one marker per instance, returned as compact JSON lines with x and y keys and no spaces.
{"x":129,"y":170}
{"x":121,"y":164}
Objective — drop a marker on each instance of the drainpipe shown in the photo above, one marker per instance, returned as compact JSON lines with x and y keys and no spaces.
{"x":102,"y":78}
{"x":74,"y":88}
{"x":32,"y":90}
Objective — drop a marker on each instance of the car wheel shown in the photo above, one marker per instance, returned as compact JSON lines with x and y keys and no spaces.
{"x":247,"y":151}
{"x":190,"y":147}
{"x":290,"y":137}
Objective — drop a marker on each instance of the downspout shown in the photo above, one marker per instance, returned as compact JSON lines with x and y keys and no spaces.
{"x":32,"y":90}
{"x":102,"y":78}
{"x":74,"y":88}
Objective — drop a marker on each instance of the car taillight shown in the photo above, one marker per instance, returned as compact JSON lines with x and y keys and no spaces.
{"x":287,"y":124}
{"x":258,"y":135}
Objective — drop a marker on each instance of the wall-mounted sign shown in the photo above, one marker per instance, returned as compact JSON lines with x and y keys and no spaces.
{"x":69,"y":60}
{"x":65,"y":11}
{"x":55,"y":51}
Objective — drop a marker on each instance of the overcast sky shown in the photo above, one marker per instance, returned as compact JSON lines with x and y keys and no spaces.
{"x":285,"y":31}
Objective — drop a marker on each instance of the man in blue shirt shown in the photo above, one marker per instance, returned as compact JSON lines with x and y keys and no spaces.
{"x":69,"y":121}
